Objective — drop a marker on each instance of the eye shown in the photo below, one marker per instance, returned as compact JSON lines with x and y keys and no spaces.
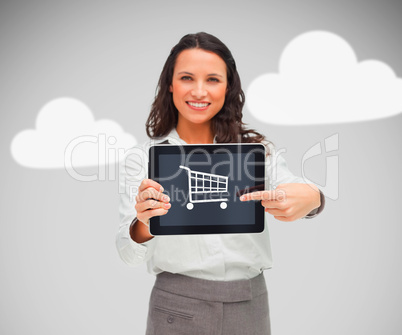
{"x":213,"y":79}
{"x":185,"y":78}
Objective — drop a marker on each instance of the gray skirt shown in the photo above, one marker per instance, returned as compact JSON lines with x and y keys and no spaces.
{"x":181,"y":305}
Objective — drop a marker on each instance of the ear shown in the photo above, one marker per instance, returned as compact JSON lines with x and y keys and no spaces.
{"x":170,"y":89}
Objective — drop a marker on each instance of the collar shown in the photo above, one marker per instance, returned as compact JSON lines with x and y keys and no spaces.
{"x":174,"y":138}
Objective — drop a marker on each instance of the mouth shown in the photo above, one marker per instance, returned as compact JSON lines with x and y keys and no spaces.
{"x":198,"y":105}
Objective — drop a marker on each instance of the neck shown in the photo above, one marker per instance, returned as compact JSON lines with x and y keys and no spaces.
{"x":195,"y":133}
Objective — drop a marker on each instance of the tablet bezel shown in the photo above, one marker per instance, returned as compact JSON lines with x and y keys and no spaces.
{"x":243,"y":148}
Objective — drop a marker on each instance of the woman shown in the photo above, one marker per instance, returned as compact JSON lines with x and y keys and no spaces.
{"x":210,"y":284}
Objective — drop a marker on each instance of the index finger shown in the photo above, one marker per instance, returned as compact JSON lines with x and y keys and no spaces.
{"x":260,"y":195}
{"x":146,"y":183}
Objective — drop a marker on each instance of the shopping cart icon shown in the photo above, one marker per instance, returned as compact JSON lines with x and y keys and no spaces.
{"x":207,"y":185}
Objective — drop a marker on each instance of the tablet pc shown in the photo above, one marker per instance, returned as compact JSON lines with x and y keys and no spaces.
{"x":204,"y":183}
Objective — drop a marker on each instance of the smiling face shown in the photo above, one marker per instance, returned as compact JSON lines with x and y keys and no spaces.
{"x":198,"y":87}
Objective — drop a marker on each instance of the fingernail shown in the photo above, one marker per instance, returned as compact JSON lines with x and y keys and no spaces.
{"x":167,"y":206}
{"x":161,"y":189}
{"x":165,"y":198}
{"x":242,"y":198}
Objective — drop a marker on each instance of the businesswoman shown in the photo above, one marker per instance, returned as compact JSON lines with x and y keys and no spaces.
{"x":205,"y":284}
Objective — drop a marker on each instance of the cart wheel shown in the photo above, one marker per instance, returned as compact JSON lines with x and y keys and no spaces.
{"x":224,"y":205}
{"x":190,"y":206}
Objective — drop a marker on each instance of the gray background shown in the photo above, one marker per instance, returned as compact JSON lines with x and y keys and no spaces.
{"x":60,"y":272}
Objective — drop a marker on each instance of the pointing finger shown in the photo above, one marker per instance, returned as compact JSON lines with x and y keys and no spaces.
{"x":260,"y":195}
{"x":278,"y":194}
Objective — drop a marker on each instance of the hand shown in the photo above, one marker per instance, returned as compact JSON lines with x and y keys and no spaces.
{"x":150,"y":201}
{"x":288,"y":202}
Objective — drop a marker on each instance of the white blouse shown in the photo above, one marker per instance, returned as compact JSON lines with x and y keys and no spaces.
{"x":222,"y":257}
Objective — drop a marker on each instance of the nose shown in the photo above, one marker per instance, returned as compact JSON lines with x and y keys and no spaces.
{"x":199,"y":91}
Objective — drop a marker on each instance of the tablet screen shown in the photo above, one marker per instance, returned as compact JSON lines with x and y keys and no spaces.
{"x":204,"y":184}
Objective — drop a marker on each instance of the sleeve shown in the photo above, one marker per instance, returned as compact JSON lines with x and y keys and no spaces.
{"x":279,"y":173}
{"x":132,"y":170}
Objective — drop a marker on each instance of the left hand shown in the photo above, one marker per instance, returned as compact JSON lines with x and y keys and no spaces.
{"x":288,"y":202}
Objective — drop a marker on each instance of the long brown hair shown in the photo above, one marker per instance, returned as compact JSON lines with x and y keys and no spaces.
{"x":227,"y":125}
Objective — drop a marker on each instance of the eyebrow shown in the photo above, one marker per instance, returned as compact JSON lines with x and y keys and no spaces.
{"x":209,"y":75}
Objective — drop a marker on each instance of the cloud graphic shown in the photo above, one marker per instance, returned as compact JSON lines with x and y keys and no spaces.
{"x":67,"y":135}
{"x":320,"y":81}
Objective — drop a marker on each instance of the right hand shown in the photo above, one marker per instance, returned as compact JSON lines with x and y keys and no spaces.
{"x":150,"y":201}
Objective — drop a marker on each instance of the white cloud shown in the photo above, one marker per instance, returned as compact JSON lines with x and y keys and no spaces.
{"x":320,"y":81}
{"x":67,"y":134}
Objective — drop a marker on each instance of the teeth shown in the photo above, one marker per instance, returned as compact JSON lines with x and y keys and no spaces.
{"x":198,"y":105}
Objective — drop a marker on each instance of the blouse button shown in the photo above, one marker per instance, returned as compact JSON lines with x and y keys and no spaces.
{"x":170,"y":319}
